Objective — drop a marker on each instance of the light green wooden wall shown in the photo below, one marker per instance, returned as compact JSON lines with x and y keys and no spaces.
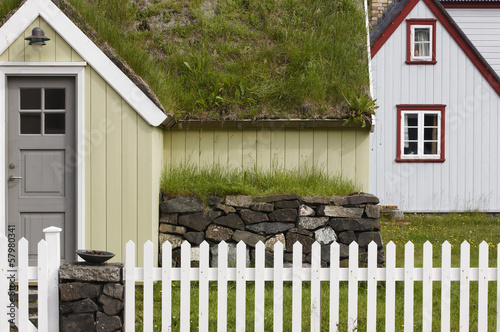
{"x":337,"y":150}
{"x":123,"y":156}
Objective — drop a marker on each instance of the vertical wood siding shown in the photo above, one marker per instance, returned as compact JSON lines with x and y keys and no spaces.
{"x":338,"y":151}
{"x":123,"y":156}
{"x":469,"y":178}
{"x":482,"y":26}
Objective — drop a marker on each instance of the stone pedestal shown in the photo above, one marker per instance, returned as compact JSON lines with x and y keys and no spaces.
{"x":91,"y":297}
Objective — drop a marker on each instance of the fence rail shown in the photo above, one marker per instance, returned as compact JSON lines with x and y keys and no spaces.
{"x":315,"y":274}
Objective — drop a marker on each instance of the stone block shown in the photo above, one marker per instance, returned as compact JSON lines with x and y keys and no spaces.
{"x":306,"y":242}
{"x":273,"y":240}
{"x":356,"y":225}
{"x":325,"y":235}
{"x":253,"y":217}
{"x":107,"y":323}
{"x":293,"y":204}
{"x":362,"y":198}
{"x":249,"y":238}
{"x":340,"y":212}
{"x":225,"y":208}
{"x":195,"y":238}
{"x":240,"y":201}
{"x":312,"y":222}
{"x":262,"y":207}
{"x":372,"y":211}
{"x":77,"y":323}
{"x":114,"y":290}
{"x":169,"y":218}
{"x":231,"y":255}
{"x":346,"y":237}
{"x":167,"y":228}
{"x":198,"y":221}
{"x":365,"y":238}
{"x":270,"y":227}
{"x":316,"y":200}
{"x":73,"y":291}
{"x":214,"y":200}
{"x":339,"y":200}
{"x":306,"y":211}
{"x":284,"y":215}
{"x":218,"y":233}
{"x":232,"y":220}
{"x":85,"y":305}
{"x":107,"y":272}
{"x":276,"y":198}
{"x":110,"y":305}
{"x":175,"y":240}
{"x":181,"y":205}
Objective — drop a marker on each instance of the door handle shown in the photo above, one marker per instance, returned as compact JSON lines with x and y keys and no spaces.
{"x":12,"y":178}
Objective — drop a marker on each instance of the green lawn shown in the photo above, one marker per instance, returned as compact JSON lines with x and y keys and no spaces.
{"x":455,"y":228}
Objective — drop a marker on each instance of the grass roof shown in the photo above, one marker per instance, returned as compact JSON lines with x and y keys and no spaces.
{"x":240,"y":59}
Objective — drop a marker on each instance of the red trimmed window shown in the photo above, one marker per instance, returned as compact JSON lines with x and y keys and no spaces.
{"x":420,"y":133}
{"x":421,"y":41}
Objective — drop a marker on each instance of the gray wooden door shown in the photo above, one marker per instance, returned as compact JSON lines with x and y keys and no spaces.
{"x":41,"y":161}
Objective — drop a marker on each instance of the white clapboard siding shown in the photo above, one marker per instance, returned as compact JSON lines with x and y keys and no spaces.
{"x":468,"y":179}
{"x":16,"y":271}
{"x":372,"y":274}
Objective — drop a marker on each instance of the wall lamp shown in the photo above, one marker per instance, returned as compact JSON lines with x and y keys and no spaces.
{"x":37,"y":39}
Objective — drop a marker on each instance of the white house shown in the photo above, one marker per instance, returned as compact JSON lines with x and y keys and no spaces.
{"x":435,"y":77}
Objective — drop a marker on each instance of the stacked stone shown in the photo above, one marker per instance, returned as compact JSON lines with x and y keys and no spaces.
{"x":287,"y":218}
{"x":91,"y":297}
{"x":378,"y":9}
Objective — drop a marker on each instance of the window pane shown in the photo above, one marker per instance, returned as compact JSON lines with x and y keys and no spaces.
{"x":430,"y":120}
{"x":411,"y":120}
{"x":31,"y":99}
{"x":411,"y":134}
{"x":55,"y":123}
{"x":55,"y":99}
{"x":430,"y":134}
{"x":411,"y":148}
{"x":422,"y":34}
{"x":31,"y":123}
{"x":422,"y":50}
{"x":430,"y":147}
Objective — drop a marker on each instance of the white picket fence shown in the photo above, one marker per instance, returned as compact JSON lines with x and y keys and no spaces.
{"x":15,"y":272}
{"x":316,"y":275}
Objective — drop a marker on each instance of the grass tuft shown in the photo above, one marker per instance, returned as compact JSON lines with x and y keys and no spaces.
{"x":188,"y":180}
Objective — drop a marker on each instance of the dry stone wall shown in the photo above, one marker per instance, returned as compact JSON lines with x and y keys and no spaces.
{"x":287,"y":218}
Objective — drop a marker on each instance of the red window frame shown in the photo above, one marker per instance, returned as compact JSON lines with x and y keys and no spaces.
{"x":419,"y":108}
{"x":414,"y":22}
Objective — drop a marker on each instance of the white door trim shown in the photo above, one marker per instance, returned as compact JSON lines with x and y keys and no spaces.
{"x":47,"y":69}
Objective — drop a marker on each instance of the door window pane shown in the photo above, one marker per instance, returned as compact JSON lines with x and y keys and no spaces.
{"x":55,"y":99}
{"x":30,"y":123}
{"x":55,"y":123}
{"x":31,"y":99}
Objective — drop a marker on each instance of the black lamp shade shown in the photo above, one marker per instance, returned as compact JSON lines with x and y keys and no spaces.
{"x":37,"y":37}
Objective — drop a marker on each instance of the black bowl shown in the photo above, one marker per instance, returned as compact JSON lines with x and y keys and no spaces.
{"x":95,"y":256}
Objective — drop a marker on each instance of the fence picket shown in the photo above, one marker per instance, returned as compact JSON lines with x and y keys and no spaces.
{"x":22,"y":274}
{"x":185,"y":315}
{"x":43,"y":290}
{"x":278,"y":287}
{"x":315,"y":287}
{"x":241,"y":286}
{"x":352,"y":309}
{"x":464,"y":286}
{"x":371,"y":308}
{"x":166,"y":287}
{"x":130,"y":287}
{"x":222,"y":287}
{"x":259,"y":286}
{"x":4,"y":283}
{"x":390,"y":287}
{"x":482,"y":293}
{"x":498,"y":288}
{"x":148,"y":287}
{"x":427,"y":288}
{"x":445,"y":285}
{"x":408,"y":286}
{"x":203,"y":290}
{"x":297,"y":288}
{"x":334,"y":285}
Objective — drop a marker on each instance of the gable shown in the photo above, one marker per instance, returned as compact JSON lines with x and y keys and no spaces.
{"x":80,"y":46}
{"x":436,"y":11}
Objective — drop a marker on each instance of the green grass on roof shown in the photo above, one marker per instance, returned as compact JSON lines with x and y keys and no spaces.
{"x":238,"y":59}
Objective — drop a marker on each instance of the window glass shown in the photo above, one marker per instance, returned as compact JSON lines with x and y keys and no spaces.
{"x":30,"y":123}
{"x":55,"y":123}
{"x":430,"y":148}
{"x":422,"y":42}
{"x":31,"y":99}
{"x":411,"y":148}
{"x":55,"y":99}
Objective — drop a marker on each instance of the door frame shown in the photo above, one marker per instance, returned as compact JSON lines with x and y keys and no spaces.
{"x":77,"y":70}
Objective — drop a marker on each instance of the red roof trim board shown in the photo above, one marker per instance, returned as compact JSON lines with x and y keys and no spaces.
{"x":470,"y":4}
{"x":452,"y":29}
